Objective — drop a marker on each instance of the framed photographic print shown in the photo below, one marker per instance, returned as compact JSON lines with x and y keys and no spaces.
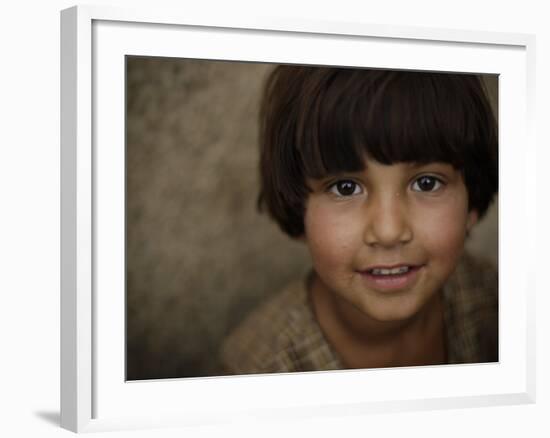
{"x":163,"y":250}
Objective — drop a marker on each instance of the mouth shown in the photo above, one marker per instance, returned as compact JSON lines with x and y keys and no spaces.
{"x":390,"y":271}
{"x":387,"y":278}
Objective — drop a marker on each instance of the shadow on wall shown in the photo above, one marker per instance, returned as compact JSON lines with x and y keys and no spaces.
{"x":199,"y":256}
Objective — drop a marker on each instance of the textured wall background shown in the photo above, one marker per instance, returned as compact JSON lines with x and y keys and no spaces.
{"x":199,"y":256}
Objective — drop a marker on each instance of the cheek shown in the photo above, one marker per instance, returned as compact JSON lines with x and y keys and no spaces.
{"x":443,"y":231}
{"x":331,"y":238}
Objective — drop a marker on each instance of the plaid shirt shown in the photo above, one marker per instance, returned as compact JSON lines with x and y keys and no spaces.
{"x":283,"y":334}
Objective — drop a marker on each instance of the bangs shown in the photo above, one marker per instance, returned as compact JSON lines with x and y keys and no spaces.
{"x":390,"y":117}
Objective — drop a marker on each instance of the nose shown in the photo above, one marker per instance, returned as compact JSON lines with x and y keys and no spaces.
{"x":387,"y":221}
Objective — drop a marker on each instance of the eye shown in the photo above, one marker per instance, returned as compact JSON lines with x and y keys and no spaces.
{"x":345,"y":188}
{"x":427,"y":183}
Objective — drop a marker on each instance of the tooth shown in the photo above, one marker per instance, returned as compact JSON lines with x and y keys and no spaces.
{"x":394,"y":271}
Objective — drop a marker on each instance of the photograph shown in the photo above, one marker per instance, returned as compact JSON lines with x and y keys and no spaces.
{"x":275,"y":219}
{"x":288,"y":218}
{"x":257,"y":209}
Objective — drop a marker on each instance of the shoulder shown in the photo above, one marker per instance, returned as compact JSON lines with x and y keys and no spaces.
{"x":472,"y":310}
{"x":263,"y":342}
{"x":474,"y":282}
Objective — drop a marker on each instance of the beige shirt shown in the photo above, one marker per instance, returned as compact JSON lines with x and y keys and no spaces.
{"x":283,"y":335}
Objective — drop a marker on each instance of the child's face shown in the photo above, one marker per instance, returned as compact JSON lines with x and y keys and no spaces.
{"x":409,"y":218}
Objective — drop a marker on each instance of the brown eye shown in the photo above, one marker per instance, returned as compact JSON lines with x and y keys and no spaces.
{"x":427,"y":183}
{"x":345,"y":188}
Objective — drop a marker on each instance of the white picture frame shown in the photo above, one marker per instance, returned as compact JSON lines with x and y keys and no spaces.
{"x":94,"y":395}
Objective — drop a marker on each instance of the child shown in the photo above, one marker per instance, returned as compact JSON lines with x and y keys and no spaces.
{"x":381,"y":174}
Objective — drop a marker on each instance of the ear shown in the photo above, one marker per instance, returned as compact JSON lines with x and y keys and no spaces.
{"x":473,"y":217}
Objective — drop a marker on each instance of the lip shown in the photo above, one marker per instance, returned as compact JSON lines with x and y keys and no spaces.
{"x":391,"y":283}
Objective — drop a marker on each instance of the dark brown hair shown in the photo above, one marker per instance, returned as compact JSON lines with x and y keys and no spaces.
{"x":318,"y":121}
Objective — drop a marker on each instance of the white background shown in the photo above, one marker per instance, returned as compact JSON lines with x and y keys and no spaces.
{"x":29,"y":216}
